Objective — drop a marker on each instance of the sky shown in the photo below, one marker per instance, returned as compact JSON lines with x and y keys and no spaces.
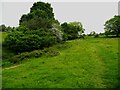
{"x":92,"y":15}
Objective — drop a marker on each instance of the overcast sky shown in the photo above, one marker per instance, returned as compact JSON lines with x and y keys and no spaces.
{"x":91,"y":14}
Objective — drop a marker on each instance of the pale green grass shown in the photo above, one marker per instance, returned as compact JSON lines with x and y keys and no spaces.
{"x":2,"y":36}
{"x":88,"y":63}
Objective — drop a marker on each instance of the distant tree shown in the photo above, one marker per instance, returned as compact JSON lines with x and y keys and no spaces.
{"x":9,"y":29}
{"x":2,"y":28}
{"x":92,"y":33}
{"x":96,"y":35}
{"x":73,"y":30}
{"x":101,"y":33}
{"x":112,"y":26}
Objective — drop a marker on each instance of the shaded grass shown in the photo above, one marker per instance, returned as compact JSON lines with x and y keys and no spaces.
{"x":88,"y":63}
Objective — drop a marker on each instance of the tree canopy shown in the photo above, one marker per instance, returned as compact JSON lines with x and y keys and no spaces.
{"x":4,"y":28}
{"x":112,"y":26}
{"x":72,"y":29}
{"x":40,"y":16}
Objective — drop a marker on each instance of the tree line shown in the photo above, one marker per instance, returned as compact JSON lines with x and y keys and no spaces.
{"x":39,"y":29}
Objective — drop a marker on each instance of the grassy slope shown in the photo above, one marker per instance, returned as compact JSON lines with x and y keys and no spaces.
{"x":88,"y":63}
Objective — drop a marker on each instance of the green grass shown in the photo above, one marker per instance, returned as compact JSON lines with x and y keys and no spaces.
{"x":2,"y":36}
{"x":86,"y":63}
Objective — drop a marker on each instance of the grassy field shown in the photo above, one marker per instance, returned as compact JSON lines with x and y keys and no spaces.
{"x":86,"y":63}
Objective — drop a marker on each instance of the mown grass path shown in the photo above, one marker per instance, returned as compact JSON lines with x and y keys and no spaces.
{"x":88,"y":63}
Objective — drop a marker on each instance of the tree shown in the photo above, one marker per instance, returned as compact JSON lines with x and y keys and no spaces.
{"x":92,"y":33}
{"x":112,"y":26}
{"x":40,"y":16}
{"x":35,"y":30}
{"x":73,"y":30}
{"x":2,"y":28}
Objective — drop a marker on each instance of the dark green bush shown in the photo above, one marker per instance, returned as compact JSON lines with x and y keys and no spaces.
{"x":65,"y":37}
{"x":72,"y":29}
{"x":29,"y":40}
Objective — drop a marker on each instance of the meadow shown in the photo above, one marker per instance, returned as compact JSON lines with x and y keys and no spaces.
{"x":83,"y":63}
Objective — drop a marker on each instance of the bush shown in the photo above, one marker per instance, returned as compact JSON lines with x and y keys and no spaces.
{"x":49,"y":52}
{"x":19,"y":41}
{"x":65,"y":37}
{"x":72,"y":29}
{"x":26,"y":55}
{"x":36,"y":53}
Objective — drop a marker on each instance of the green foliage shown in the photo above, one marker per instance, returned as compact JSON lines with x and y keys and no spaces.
{"x":112,"y":26}
{"x":41,"y":16}
{"x":38,"y":29}
{"x":96,"y":35}
{"x":4,"y":28}
{"x":51,"y":52}
{"x":37,"y":23}
{"x":43,"y":7}
{"x":73,"y":30}
{"x":92,"y":33}
{"x":23,"y":40}
{"x":26,"y":55}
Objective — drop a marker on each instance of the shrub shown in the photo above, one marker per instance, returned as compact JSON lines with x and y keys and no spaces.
{"x":26,"y":55}
{"x":19,"y":41}
{"x":65,"y":37}
{"x":72,"y":29}
{"x":49,"y":52}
